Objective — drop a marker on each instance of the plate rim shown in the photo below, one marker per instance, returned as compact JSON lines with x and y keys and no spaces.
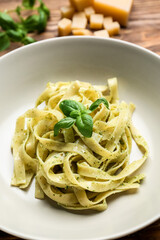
{"x":113,"y":236}
{"x":70,"y":38}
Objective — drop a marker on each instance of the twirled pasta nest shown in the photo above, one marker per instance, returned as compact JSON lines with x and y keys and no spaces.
{"x":75,"y":171}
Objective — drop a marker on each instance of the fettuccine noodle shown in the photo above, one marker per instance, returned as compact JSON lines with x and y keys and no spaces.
{"x":77,"y":172}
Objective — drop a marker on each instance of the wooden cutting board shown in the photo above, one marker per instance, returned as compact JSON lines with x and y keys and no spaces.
{"x":143,"y":29}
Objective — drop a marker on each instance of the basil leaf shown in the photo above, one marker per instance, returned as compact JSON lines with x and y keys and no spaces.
{"x":98,"y":102}
{"x":64,"y":123}
{"x":44,"y":8}
{"x":68,"y":106}
{"x":42,"y":21}
{"x":6,"y":22}
{"x":75,"y":114}
{"x":31,"y":23}
{"x":18,"y":10}
{"x":28,"y":40}
{"x":87,"y":111}
{"x":28,"y":3}
{"x":4,"y":41}
{"x":83,"y":109}
{"x":16,"y":35}
{"x":84,"y":124}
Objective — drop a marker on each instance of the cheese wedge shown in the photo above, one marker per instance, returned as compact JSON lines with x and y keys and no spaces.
{"x":118,"y":9}
{"x":80,"y":5}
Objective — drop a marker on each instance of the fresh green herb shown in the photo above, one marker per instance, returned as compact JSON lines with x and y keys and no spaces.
{"x":44,"y":8}
{"x":97,"y":103}
{"x":31,"y":23}
{"x":16,"y":35}
{"x":18,"y":10}
{"x":64,"y":123}
{"x":76,"y":113}
{"x":28,"y":3}
{"x":84,"y":124}
{"x":4,"y":41}
{"x":17,"y":31}
{"x":27,"y":40}
{"x":68,"y":106}
{"x":6,"y":22}
{"x":42,"y":21}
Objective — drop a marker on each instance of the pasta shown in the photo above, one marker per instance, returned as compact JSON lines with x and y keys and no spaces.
{"x":75,"y":171}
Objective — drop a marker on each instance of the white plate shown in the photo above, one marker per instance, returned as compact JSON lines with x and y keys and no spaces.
{"x":23,"y":75}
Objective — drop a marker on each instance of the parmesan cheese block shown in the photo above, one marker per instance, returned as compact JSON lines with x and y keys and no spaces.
{"x":118,"y":9}
{"x":64,"y":27}
{"x":112,"y":28}
{"x":81,"y":32}
{"x":101,"y":33}
{"x":79,"y":5}
{"x":67,"y":12}
{"x":96,"y":21}
{"x":79,"y":21}
{"x":89,"y":11}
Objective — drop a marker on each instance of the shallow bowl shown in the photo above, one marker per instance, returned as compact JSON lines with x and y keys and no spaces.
{"x":23,"y":76}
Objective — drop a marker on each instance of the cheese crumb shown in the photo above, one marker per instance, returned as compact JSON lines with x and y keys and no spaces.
{"x":107,"y":20}
{"x":89,"y":11}
{"x":113,"y":28}
{"x":67,"y":12}
{"x":101,"y":33}
{"x":84,"y":32}
{"x":79,"y":21}
{"x":96,"y":21}
{"x":64,"y":27}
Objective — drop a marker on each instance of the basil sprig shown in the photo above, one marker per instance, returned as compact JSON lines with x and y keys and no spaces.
{"x":16,"y":31}
{"x":76,"y":113}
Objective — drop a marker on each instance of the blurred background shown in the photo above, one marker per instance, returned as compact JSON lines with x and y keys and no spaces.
{"x":143,"y":26}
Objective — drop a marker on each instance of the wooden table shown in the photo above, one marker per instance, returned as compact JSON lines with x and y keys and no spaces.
{"x":143,"y":29}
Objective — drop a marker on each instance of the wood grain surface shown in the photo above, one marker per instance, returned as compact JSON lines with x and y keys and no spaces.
{"x":143,"y":29}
